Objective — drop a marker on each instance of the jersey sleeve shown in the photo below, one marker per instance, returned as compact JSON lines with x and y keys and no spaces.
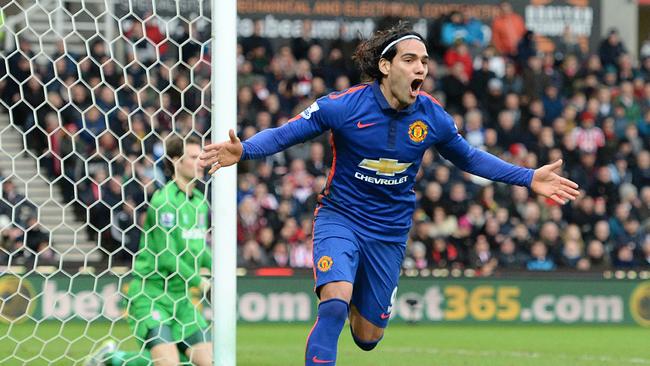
{"x":322,"y":115}
{"x":455,"y":148}
{"x":161,"y":241}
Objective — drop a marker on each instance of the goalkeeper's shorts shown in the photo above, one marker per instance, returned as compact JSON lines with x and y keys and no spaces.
{"x":165,"y":318}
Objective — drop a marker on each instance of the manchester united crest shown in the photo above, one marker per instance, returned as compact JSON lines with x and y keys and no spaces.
{"x":418,"y":131}
{"x":324,"y":263}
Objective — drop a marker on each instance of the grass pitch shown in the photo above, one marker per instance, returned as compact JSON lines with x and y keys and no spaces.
{"x":51,"y":343}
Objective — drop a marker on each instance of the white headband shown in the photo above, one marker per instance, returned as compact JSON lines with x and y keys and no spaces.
{"x":410,"y":36}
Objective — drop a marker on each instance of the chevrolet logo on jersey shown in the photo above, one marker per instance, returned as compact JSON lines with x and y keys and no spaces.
{"x":385,"y":167}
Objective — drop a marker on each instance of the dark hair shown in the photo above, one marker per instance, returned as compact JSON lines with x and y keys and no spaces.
{"x":175,"y":148}
{"x":368,"y":52}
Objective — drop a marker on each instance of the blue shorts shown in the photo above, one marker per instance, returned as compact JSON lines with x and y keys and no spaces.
{"x":371,"y":265}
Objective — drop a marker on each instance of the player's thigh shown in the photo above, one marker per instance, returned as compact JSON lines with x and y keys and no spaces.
{"x":200,"y":354}
{"x":336,"y":258}
{"x":376,"y":282}
{"x":165,"y":354}
{"x":191,"y":327}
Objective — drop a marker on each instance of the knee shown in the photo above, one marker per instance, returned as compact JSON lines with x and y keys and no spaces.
{"x":166,"y":362}
{"x":200,"y":355}
{"x":366,"y":338}
{"x":204,"y":362}
{"x":165,"y":355}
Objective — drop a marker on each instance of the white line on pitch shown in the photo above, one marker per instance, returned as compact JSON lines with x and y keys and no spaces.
{"x":515,"y":354}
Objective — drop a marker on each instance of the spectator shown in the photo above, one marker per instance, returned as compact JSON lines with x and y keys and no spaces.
{"x":526,"y":49}
{"x":535,"y":80}
{"x":459,"y":53}
{"x":454,"y":86}
{"x":444,"y":254}
{"x":644,"y":257}
{"x":481,"y":256}
{"x":252,"y":255}
{"x":539,"y":260}
{"x":611,"y":48}
{"x":571,"y":254}
{"x":468,"y":30}
{"x":597,"y":256}
{"x":36,"y":243}
{"x":641,"y":174}
{"x":509,"y":257}
{"x":507,"y":29}
{"x":624,"y":257}
{"x":588,"y":138}
{"x":416,"y":257}
{"x":480,"y":79}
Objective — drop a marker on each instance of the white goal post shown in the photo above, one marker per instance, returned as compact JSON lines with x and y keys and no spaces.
{"x":90,"y":92}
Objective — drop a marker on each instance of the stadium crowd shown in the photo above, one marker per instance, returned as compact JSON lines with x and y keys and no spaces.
{"x":105,"y":124}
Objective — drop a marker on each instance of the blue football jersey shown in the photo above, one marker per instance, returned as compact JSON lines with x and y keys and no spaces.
{"x":377,"y":153}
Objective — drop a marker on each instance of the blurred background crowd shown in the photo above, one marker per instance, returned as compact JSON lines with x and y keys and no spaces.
{"x":98,"y":128}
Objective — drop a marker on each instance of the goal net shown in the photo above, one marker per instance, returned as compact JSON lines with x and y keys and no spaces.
{"x":90,"y":91}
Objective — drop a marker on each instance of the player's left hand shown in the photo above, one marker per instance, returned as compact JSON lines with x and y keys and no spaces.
{"x":548,"y":183}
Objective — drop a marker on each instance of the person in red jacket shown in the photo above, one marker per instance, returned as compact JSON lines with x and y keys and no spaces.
{"x":460,"y":53}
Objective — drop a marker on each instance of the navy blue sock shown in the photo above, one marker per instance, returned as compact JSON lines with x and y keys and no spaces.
{"x":366,"y":346}
{"x":323,"y":339}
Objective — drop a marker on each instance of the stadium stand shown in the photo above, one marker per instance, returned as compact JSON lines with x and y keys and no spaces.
{"x":591,"y":108}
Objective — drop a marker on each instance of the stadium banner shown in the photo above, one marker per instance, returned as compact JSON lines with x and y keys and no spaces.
{"x":347,"y":19}
{"x":290,"y":299}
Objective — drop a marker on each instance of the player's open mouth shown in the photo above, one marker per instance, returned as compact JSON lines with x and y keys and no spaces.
{"x":415,"y":87}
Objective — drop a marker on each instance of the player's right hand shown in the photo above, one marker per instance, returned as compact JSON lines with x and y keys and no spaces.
{"x":221,"y":154}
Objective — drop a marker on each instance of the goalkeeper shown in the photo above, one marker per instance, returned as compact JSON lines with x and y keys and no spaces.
{"x":172,"y":251}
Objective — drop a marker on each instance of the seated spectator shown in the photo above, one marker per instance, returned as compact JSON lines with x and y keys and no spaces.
{"x":416,"y":257}
{"x":624,"y":257}
{"x":36,"y":243}
{"x":481,"y":257}
{"x":571,"y":254}
{"x":460,"y":27}
{"x":588,"y":138}
{"x":459,"y":54}
{"x":539,"y":259}
{"x":644,"y":257}
{"x":280,"y":256}
{"x":444,"y":254}
{"x":597,"y":256}
{"x":509,"y":257}
{"x":251,"y":255}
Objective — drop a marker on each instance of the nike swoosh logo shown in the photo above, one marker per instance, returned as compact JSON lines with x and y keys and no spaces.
{"x":316,"y":360}
{"x":384,"y":316}
{"x":361,"y":125}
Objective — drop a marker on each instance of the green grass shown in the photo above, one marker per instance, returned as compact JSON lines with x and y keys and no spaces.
{"x":283,"y":344}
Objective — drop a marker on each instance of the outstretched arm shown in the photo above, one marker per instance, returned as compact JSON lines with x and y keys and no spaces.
{"x":544,"y":181}
{"x":319,"y":117}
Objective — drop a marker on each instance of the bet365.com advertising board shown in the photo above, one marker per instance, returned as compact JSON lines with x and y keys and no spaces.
{"x":291,"y":300}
